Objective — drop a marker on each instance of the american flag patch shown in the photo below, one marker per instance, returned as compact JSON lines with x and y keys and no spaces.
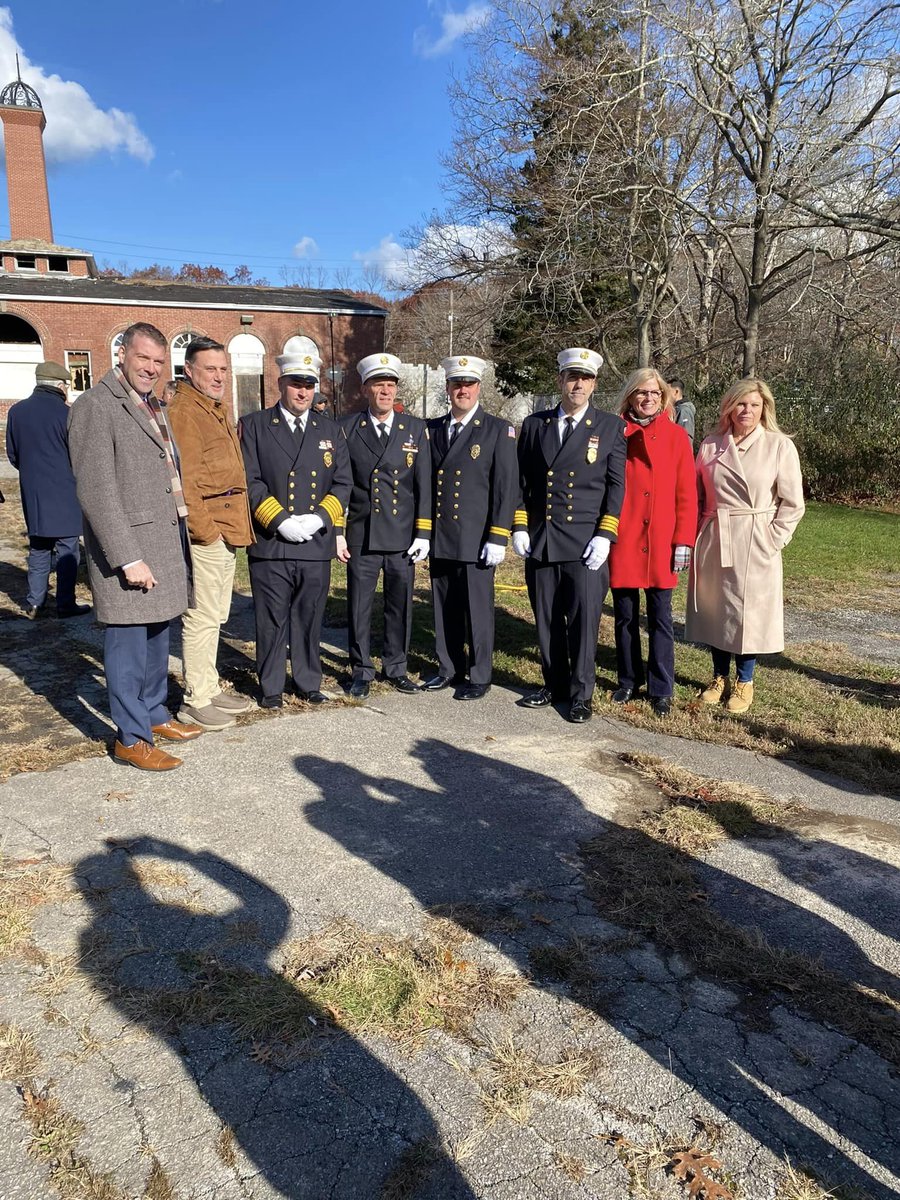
{"x":510,"y":432}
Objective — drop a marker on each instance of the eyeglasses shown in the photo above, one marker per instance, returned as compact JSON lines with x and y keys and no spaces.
{"x":645,"y":395}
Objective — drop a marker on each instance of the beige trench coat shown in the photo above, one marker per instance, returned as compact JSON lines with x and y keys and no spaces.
{"x":751,"y":501}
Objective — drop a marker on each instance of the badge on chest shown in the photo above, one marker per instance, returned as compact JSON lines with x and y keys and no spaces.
{"x":593,"y":443}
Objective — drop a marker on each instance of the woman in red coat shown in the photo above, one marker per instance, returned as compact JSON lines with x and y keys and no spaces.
{"x":657,"y":529}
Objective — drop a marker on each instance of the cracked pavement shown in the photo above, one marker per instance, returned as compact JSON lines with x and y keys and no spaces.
{"x":380,"y":813}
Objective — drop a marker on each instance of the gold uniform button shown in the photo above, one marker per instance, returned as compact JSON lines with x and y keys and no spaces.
{"x":549,"y":474}
{"x":571,"y":474}
{"x":313,"y":473}
{"x":568,"y":518}
{"x":440,"y":471}
{"x":292,"y":474}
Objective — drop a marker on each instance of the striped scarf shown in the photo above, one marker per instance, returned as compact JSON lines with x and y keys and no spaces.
{"x":151,"y":407}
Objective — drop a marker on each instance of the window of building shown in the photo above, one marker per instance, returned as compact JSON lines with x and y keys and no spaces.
{"x":79,"y":364}
{"x":180,"y":343}
{"x":58,"y":262}
{"x":114,"y":348}
{"x":26,"y":262}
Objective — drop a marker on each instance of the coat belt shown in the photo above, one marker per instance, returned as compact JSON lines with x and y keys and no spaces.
{"x":724,"y":515}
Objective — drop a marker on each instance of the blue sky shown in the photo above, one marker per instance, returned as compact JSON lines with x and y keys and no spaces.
{"x":283,"y":135}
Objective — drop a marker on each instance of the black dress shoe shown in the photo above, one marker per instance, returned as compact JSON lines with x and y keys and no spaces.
{"x":272,"y":702}
{"x":622,"y":695}
{"x":437,"y":683}
{"x":402,"y":683}
{"x":77,"y":610}
{"x":31,"y":611}
{"x":359,"y":689}
{"x":312,"y":697}
{"x":539,"y":699}
{"x":474,"y":691}
{"x":579,"y":712}
{"x":661,"y":705}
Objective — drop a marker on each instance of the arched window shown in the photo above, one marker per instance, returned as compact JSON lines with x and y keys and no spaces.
{"x":20,"y":353}
{"x":248,"y":356}
{"x":180,"y":343}
{"x":114,"y":348}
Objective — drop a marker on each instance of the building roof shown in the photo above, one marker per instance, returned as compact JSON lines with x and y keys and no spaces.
{"x":38,"y":246}
{"x":162,"y":294}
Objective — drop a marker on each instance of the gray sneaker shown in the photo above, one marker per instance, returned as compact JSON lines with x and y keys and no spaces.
{"x":208,"y":716}
{"x":231,"y":702}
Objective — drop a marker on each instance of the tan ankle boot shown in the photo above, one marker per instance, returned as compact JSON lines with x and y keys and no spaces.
{"x":741,"y":698}
{"x":716,"y":691}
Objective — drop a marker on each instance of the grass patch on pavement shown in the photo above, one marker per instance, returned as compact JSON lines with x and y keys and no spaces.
{"x":342,"y":977}
{"x":25,"y":885}
{"x":515,"y":1074}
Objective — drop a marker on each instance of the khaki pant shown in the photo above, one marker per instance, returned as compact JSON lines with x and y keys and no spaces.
{"x":213,"y":580}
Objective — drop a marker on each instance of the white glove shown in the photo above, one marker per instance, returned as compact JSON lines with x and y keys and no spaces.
{"x":522,"y":543}
{"x":293,"y":530}
{"x":418,"y":551}
{"x":596,"y":552}
{"x":491,"y":555}
{"x":682,"y":558}
{"x":311,"y":523}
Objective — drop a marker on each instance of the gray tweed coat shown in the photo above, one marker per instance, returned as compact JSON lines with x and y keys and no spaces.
{"x":125,"y":491}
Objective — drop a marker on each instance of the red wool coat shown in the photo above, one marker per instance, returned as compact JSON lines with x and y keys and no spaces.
{"x":660,"y":509}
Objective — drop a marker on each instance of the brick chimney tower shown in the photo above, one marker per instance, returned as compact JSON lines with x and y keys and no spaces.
{"x":26,"y":172}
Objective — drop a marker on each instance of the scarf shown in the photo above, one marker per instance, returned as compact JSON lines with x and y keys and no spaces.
{"x":152,"y":408}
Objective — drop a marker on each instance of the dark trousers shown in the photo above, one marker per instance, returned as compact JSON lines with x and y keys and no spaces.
{"x":463,"y":597}
{"x":136,"y":660}
{"x":567,"y":601}
{"x":661,"y":651}
{"x":362,"y":580}
{"x":41,"y":554}
{"x":289,"y":601}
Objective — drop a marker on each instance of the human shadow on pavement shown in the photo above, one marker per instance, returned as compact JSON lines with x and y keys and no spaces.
{"x":320,"y":1116}
{"x":483,"y":829}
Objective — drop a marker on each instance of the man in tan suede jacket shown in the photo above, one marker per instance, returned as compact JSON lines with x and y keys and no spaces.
{"x":215,"y":490}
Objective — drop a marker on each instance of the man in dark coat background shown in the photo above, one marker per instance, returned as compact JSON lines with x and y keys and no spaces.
{"x":37,"y":446}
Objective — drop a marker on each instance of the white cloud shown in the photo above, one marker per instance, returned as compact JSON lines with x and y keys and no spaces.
{"x":307,"y":247}
{"x":454,"y":25}
{"x":76,"y":127}
{"x":442,"y":251}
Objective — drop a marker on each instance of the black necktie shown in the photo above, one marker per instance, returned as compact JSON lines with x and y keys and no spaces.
{"x":381,"y":431}
{"x":455,"y":431}
{"x":298,"y":431}
{"x":570,"y":425}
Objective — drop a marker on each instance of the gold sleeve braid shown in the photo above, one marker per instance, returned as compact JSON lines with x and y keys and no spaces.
{"x":266,"y":512}
{"x":335,"y":510}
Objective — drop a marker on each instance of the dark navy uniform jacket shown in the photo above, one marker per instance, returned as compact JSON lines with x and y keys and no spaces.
{"x":37,"y":444}
{"x":476,"y":483}
{"x":390,"y":504}
{"x":572,"y":493}
{"x":284,"y":479}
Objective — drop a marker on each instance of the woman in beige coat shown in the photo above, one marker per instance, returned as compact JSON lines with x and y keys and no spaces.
{"x":751,"y":501}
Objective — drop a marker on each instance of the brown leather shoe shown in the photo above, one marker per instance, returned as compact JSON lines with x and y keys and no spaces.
{"x":145,"y":757}
{"x":176,"y":731}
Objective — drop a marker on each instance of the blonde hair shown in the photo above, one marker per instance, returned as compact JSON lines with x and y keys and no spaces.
{"x":739,"y":391}
{"x":638,"y":378}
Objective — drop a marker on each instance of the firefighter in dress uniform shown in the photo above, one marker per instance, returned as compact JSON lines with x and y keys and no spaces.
{"x":475,"y":482}
{"x":572,"y":485}
{"x":298,"y":481}
{"x":388,"y":522}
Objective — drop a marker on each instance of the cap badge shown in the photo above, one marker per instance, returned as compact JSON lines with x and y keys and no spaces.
{"x":584,"y":354}
{"x":308,"y":359}
{"x":463,"y":362}
{"x":383,"y":360}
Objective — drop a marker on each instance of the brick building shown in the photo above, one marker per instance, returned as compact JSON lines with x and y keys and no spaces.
{"x":54,"y":305}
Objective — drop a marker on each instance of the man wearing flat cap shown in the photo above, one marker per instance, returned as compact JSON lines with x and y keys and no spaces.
{"x":298,"y":480}
{"x":572,"y":485}
{"x":388,"y":523}
{"x":37,"y":445}
{"x":475,"y":484}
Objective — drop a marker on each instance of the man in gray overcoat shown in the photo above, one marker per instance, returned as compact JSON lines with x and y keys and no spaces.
{"x":129,"y":486}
